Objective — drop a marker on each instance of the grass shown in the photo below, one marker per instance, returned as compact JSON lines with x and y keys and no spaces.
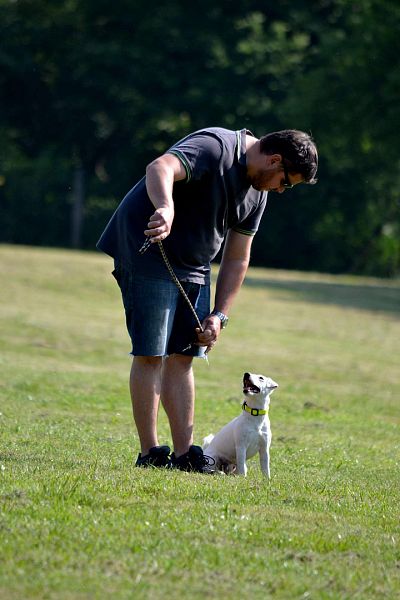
{"x":78,"y":522}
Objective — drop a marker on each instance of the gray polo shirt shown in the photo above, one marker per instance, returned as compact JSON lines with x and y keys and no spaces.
{"x":215,"y":196}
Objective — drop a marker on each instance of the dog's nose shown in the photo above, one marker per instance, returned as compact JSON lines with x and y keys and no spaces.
{"x":246,"y":376}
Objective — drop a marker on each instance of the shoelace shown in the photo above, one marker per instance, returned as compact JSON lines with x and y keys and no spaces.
{"x":207,"y":461}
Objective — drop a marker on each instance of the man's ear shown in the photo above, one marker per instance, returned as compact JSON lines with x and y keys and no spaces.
{"x":275,"y":158}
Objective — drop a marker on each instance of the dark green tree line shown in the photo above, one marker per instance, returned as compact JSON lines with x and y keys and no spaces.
{"x":91,"y":91}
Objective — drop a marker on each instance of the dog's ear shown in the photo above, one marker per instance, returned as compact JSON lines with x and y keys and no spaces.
{"x":272,"y":384}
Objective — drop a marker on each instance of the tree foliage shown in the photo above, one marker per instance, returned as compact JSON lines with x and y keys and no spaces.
{"x":91,"y":91}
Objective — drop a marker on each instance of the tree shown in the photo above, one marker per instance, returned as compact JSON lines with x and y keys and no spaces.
{"x":92,"y":91}
{"x":352,"y":86}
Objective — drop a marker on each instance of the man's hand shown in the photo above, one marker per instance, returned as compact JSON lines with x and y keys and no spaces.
{"x":160,"y":223}
{"x":211,"y":330}
{"x":160,"y":177}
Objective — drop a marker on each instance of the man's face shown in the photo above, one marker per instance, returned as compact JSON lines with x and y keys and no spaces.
{"x":271,"y":176}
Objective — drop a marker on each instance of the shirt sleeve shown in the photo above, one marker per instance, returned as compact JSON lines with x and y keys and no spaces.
{"x":200,"y":153}
{"x":249,"y":225}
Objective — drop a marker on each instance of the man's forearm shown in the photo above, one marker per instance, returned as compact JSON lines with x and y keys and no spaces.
{"x":160,"y":177}
{"x":232,"y":271}
{"x":234,"y":264}
{"x":230,"y":278}
{"x":159,"y":185}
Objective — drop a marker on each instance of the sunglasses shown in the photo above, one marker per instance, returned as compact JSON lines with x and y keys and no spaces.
{"x":286,"y":183}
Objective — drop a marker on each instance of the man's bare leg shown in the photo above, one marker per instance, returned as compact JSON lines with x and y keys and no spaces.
{"x":145,"y":387}
{"x":177,"y":396}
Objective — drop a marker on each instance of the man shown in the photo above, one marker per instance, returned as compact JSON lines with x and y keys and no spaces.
{"x":209,"y":187}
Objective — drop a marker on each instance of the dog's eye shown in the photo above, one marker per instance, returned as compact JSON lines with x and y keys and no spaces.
{"x":261,"y":378}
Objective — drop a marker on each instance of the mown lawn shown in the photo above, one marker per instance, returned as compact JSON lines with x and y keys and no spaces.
{"x":77,"y":521}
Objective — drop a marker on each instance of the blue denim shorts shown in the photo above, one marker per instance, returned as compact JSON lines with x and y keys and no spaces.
{"x":158,"y":318}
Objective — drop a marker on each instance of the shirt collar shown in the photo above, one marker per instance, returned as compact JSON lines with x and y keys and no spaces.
{"x":241,"y":145}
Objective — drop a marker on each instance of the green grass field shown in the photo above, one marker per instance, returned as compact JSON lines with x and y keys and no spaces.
{"x":77,"y":521}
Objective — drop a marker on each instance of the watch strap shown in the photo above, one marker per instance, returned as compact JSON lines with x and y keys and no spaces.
{"x":223,"y":318}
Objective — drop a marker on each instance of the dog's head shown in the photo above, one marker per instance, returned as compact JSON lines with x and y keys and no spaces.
{"x":258,"y":384}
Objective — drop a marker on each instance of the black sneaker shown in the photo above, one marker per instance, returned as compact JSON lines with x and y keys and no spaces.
{"x":157,"y":457}
{"x":193,"y":460}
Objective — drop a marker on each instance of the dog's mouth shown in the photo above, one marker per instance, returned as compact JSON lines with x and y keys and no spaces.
{"x":249,"y":387}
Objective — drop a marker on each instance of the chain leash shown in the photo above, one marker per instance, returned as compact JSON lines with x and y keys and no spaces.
{"x":175,"y":279}
{"x":178,"y":284}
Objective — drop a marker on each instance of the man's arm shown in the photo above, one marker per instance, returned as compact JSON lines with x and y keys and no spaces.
{"x":234,"y":264}
{"x":160,"y":177}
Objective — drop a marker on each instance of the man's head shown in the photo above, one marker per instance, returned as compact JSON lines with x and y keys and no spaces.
{"x":283,"y":159}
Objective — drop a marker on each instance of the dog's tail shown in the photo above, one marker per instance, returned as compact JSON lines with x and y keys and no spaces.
{"x":207,"y":441}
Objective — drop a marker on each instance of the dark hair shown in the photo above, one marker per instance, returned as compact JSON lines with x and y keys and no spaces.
{"x":297,"y":149}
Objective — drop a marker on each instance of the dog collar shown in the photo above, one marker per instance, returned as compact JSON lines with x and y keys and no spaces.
{"x":255,"y":412}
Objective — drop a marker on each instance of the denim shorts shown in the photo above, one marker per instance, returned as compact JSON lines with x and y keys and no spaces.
{"x":158,"y":318}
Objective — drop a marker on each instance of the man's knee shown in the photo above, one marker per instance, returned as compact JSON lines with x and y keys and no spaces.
{"x":179,"y":361}
{"x":147,"y":361}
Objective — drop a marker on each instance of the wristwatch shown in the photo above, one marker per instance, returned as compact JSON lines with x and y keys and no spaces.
{"x":223,"y":318}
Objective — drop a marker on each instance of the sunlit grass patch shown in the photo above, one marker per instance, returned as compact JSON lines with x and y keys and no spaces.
{"x":78,"y":521}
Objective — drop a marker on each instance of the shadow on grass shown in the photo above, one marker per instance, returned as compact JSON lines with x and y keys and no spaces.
{"x":374,"y":297}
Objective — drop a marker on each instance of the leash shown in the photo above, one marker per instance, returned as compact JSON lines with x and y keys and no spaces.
{"x":142,"y":250}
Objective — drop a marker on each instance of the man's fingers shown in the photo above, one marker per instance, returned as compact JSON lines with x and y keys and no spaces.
{"x":206,"y":338}
{"x":206,"y":335}
{"x":155,"y":231}
{"x":157,"y":234}
{"x":154,"y":224}
{"x":159,"y":225}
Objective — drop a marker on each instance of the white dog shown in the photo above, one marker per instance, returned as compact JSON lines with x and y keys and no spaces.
{"x":246,"y":434}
